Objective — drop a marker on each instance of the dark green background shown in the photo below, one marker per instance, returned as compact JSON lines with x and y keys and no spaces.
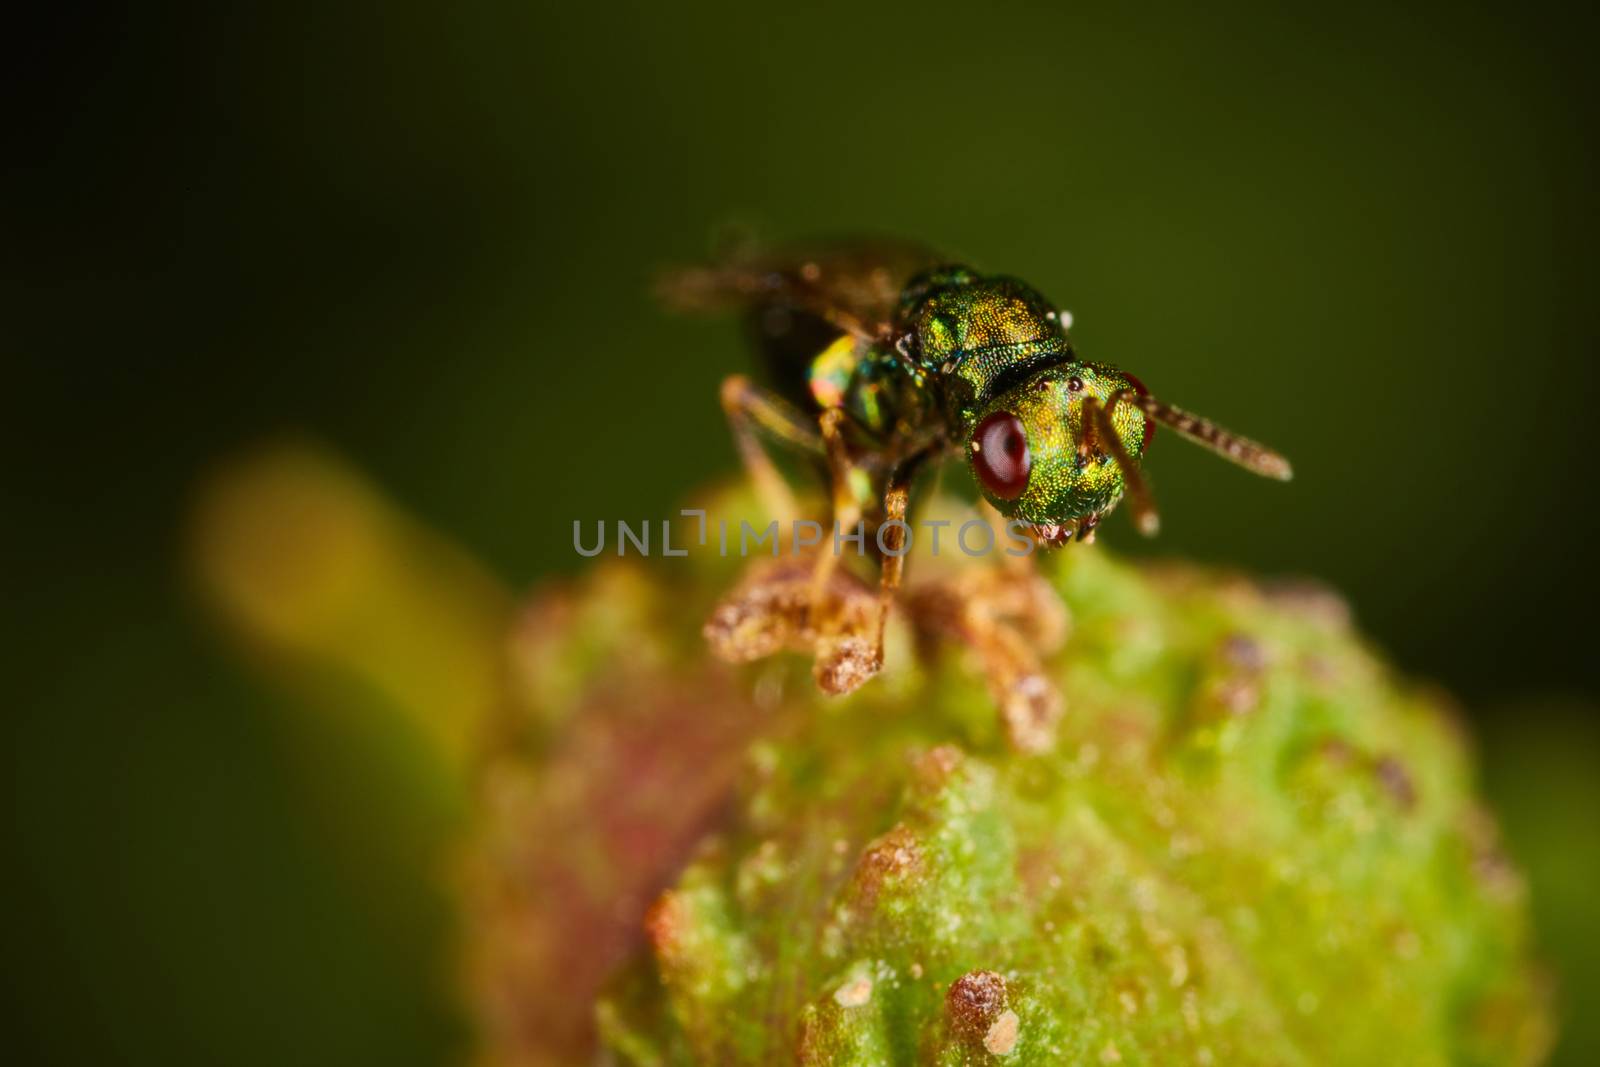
{"x":1363,"y":235}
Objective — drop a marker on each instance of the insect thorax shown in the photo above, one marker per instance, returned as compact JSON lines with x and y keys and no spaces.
{"x":979,"y":336}
{"x":961,"y":338}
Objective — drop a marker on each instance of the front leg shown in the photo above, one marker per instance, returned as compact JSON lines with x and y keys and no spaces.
{"x":808,"y":604}
{"x":1019,"y":592}
{"x":845,"y":654}
{"x":981,"y":609}
{"x":848,"y":655}
{"x":774,"y":609}
{"x":1010,"y":616}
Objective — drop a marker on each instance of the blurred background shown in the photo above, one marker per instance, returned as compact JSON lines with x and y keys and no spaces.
{"x":422,"y":238}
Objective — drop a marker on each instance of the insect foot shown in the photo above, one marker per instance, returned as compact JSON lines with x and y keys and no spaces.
{"x":845,"y":662}
{"x":768,"y":612}
{"x":772,"y":610}
{"x":1007,"y":619}
{"x":1030,"y":711}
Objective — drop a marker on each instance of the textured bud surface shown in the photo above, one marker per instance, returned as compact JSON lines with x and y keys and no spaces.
{"x":1244,"y":840}
{"x":1250,"y":843}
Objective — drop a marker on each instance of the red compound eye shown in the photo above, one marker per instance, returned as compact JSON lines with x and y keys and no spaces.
{"x":1000,"y":455}
{"x":1149,"y":424}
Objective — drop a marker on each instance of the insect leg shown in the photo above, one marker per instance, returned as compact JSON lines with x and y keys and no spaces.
{"x":1106,"y":436}
{"x":1014,"y":565}
{"x":844,"y":658}
{"x":978,"y":610}
{"x":1030,"y":599}
{"x":896,"y":502}
{"x":846,"y":508}
{"x":754,"y":412}
{"x":801,"y":603}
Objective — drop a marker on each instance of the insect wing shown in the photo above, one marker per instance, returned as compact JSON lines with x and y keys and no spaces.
{"x":855,"y":286}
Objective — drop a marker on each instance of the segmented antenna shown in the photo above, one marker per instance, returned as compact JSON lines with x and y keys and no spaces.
{"x":1145,"y":516}
{"x":1250,"y":455}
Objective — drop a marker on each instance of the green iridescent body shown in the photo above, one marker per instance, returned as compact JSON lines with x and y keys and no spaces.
{"x":900,"y":358}
{"x":885,"y":359}
{"x":968,"y":345}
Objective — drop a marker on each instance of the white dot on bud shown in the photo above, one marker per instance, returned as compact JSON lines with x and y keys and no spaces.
{"x":1002,"y":1035}
{"x":854,"y":994}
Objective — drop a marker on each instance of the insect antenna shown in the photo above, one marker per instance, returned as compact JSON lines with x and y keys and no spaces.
{"x":1145,"y":516}
{"x":1250,"y":455}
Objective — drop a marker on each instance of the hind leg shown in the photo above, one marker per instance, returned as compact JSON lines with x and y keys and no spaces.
{"x":756,"y":414}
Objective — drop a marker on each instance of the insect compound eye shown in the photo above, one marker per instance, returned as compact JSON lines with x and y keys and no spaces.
{"x":1000,"y":455}
{"x":1149,"y":424}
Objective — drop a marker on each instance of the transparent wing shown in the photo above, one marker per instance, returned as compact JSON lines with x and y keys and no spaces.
{"x":854,"y":285}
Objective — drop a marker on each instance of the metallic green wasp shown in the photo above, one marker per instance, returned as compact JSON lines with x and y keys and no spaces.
{"x":884,"y":358}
